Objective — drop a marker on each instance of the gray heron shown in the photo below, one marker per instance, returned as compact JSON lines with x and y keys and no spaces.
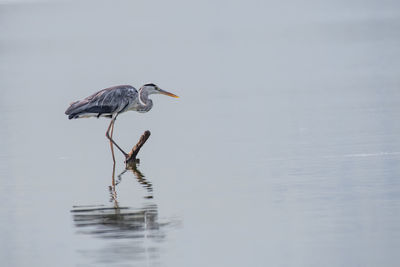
{"x":111,"y":102}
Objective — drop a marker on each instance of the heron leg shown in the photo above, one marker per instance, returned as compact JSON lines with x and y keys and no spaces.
{"x":112,"y":146}
{"x":111,"y":126}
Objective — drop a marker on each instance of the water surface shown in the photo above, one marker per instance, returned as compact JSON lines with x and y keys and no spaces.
{"x":282,"y":150}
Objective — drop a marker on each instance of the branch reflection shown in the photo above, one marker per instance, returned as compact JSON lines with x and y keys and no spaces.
{"x":139,"y":176}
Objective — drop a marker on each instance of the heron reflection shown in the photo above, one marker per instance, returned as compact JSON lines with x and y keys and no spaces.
{"x":117,"y":221}
{"x":129,"y":234}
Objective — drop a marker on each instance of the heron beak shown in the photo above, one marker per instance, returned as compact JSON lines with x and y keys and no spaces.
{"x":167,"y":93}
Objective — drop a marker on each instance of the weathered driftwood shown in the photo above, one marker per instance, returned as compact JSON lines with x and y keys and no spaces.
{"x":131,"y":157}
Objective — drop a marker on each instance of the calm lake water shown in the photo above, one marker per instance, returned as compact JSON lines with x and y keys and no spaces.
{"x":282,"y":150}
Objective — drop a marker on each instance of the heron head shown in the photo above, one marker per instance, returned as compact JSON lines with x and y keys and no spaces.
{"x":151,"y":88}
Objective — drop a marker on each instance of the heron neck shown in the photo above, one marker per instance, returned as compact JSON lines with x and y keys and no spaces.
{"x":144,"y":97}
{"x":145,"y":103}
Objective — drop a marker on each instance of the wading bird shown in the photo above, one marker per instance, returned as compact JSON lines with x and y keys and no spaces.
{"x":111,"y":102}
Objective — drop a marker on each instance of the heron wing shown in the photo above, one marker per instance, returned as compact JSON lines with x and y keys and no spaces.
{"x":106,"y":101}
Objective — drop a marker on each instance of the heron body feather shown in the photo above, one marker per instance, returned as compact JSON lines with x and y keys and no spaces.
{"x":105,"y":103}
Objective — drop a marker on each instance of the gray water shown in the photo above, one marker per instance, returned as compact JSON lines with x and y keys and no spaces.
{"x":282,"y":150}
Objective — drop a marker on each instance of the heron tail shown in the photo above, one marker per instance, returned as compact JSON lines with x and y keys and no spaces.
{"x":74,"y":109}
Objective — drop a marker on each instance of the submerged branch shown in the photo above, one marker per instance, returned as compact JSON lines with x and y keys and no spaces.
{"x":131,"y":157}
